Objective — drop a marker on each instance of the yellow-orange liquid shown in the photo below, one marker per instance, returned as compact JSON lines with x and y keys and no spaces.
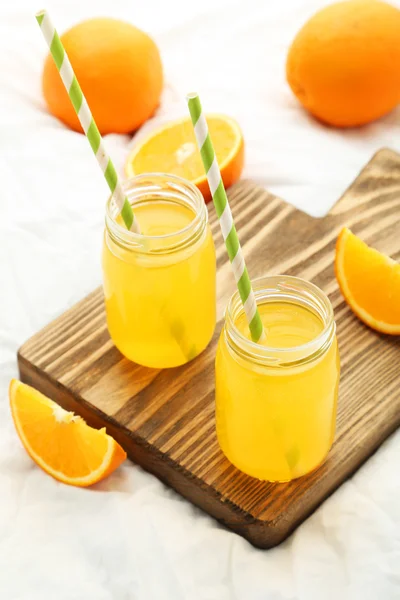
{"x":161,"y":308}
{"x":275,"y":422}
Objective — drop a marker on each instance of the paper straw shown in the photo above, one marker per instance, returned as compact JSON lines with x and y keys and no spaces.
{"x":225,"y":218}
{"x":86,"y":118}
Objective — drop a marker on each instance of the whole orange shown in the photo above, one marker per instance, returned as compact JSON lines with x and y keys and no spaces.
{"x":119,"y":70}
{"x":344,"y":64}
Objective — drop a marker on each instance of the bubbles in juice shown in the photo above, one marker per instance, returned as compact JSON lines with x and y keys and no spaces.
{"x":286,"y":325}
{"x":161,"y":218}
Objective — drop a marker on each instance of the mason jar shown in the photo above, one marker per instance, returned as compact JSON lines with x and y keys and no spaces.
{"x":159,"y":285}
{"x":276,"y":402}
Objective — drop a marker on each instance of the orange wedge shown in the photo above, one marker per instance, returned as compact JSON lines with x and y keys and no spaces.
{"x":370,"y":283}
{"x":173,"y":149}
{"x":60,"y":442}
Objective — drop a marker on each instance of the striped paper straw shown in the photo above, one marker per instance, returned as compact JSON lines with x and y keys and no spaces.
{"x":86,"y":118}
{"x":224,"y":214}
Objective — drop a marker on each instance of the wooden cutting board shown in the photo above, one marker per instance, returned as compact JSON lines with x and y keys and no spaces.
{"x":165,"y":419}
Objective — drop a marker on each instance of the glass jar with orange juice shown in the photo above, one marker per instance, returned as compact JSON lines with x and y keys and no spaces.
{"x":159,"y":285}
{"x":276,"y":401}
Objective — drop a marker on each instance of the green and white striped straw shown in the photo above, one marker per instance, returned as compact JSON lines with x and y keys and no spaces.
{"x":224,"y":214}
{"x":86,"y":118}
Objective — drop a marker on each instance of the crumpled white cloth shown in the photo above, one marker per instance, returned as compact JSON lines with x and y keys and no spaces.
{"x":132,"y":538}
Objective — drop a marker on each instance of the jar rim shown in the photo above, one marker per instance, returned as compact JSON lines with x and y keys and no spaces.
{"x":140,"y":188}
{"x":282,"y":288}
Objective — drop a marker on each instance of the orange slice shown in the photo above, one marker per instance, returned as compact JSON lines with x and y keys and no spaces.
{"x":173,"y":149}
{"x":370,"y":283}
{"x":60,"y":442}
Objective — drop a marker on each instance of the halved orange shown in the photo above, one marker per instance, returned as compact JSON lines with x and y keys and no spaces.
{"x":173,"y":149}
{"x":60,"y":442}
{"x":370,"y":283}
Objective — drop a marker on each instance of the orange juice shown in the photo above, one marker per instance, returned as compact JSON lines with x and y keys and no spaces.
{"x":276,"y":402}
{"x":159,"y":286}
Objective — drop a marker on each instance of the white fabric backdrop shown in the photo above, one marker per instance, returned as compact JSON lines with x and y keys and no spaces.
{"x":131,"y":537}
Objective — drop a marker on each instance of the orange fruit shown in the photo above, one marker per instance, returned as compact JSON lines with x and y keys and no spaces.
{"x":370,"y":283}
{"x":344,"y":64}
{"x":173,"y":149}
{"x":119,"y":70}
{"x":60,"y":442}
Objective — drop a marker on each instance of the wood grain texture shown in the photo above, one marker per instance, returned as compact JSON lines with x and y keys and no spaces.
{"x":165,"y":419}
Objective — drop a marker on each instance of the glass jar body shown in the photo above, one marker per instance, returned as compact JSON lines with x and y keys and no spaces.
{"x":276,"y":408}
{"x":160,"y":294}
